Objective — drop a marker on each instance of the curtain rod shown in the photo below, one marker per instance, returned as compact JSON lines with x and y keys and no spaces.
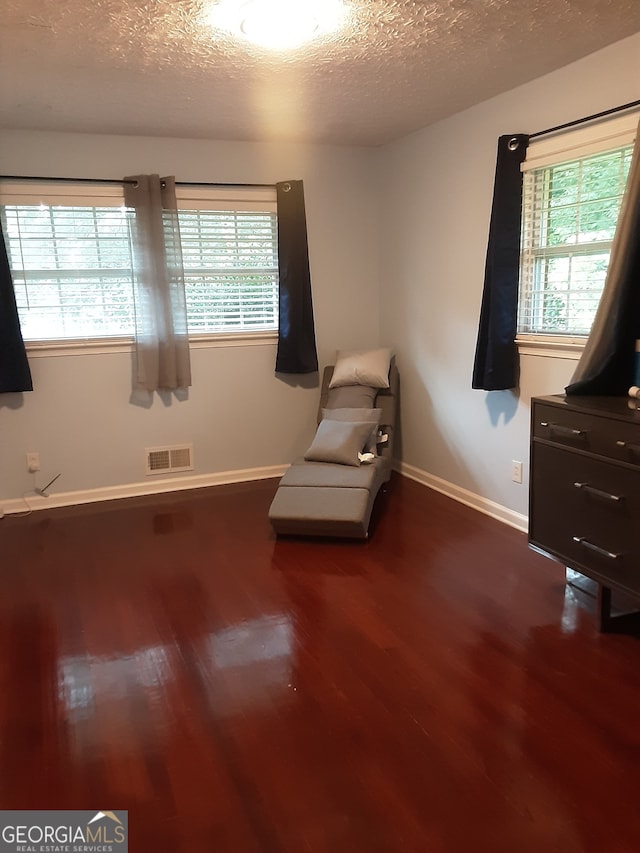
{"x":120,"y":182}
{"x":586,"y":119}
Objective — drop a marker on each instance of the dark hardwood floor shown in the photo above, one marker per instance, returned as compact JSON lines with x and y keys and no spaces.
{"x":437,"y":689}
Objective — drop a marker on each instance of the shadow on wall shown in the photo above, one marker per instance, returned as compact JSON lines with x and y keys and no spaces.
{"x":300,"y":380}
{"x":144,"y":399}
{"x":12,"y":401}
{"x":502,"y":403}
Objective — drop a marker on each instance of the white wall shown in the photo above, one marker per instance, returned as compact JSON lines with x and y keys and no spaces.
{"x":411,"y":277}
{"x":436,"y":198}
{"x":238,"y":415}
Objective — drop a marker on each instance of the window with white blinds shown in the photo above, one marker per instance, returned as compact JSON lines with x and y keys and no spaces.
{"x":569,"y":214}
{"x":230,"y":261}
{"x":70,"y":253}
{"x":70,"y":258}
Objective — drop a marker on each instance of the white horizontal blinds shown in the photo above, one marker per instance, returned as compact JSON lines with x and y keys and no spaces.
{"x":70,"y":261}
{"x":230,"y":260}
{"x":570,"y":211}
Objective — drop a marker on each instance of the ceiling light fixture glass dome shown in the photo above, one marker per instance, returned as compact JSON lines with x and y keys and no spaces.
{"x":280,"y":24}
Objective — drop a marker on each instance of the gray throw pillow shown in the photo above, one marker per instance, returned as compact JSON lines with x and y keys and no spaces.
{"x":371,"y":416}
{"x":362,"y":367}
{"x":351,"y":396}
{"x":339,"y":441}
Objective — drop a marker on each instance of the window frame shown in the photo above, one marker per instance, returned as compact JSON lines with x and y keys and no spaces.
{"x":189,"y":197}
{"x":233,"y":199}
{"x":560,"y":148}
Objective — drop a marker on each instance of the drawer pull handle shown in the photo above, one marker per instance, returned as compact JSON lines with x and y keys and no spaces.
{"x":563,"y":430}
{"x":602,"y":551}
{"x":598,"y":492}
{"x":634,"y":449}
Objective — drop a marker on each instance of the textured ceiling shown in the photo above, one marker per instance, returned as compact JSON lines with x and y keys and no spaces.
{"x":159,"y":68}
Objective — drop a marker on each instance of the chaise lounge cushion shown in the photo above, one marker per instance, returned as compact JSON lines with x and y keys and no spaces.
{"x":320,"y":475}
{"x":350,"y":396}
{"x":321,"y":512}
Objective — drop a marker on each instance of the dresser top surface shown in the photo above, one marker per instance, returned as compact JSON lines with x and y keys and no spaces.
{"x":621,"y":408}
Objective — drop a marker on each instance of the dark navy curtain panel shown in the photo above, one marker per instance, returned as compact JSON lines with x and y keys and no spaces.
{"x":296,"y":335}
{"x":607,"y":365}
{"x":496,"y":362}
{"x":15,"y":375}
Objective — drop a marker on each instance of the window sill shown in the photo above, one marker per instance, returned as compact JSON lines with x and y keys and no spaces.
{"x":246,"y":339}
{"x":95,"y":346}
{"x":548,"y":347}
{"x":52,"y":349}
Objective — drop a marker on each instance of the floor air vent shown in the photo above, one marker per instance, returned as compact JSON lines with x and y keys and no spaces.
{"x":163,"y":460}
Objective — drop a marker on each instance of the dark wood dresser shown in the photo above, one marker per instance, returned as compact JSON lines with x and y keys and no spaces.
{"x":584,"y":495}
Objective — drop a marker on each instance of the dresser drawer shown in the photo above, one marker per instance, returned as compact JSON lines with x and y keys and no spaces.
{"x":614,"y":439}
{"x":586,"y":511}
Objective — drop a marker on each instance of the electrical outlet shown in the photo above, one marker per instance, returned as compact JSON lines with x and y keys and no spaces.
{"x":516,"y":471}
{"x":33,"y":462}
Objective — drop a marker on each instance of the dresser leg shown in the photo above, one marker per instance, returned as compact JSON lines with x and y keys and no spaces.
{"x":625,"y":623}
{"x":604,"y":607}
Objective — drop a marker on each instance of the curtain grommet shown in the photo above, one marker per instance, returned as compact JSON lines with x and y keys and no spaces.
{"x":286,"y":188}
{"x":513,"y":143}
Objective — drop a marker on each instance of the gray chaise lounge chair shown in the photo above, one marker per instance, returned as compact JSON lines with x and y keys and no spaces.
{"x":328,"y":499}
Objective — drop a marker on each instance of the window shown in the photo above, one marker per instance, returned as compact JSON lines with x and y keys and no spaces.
{"x":71,"y":262}
{"x":572,"y":192}
{"x":70,"y":254}
{"x":230,"y":259}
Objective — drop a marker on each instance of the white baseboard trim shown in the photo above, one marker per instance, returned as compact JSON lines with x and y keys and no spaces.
{"x":35,"y":502}
{"x":484,"y":505}
{"x":154,"y":487}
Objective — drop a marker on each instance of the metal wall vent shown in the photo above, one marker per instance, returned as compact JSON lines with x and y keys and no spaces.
{"x":161,"y":460}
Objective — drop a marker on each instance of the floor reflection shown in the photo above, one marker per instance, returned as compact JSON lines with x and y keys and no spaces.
{"x":251,"y":642}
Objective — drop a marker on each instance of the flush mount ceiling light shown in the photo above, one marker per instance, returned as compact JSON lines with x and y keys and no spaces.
{"x":279,"y":24}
